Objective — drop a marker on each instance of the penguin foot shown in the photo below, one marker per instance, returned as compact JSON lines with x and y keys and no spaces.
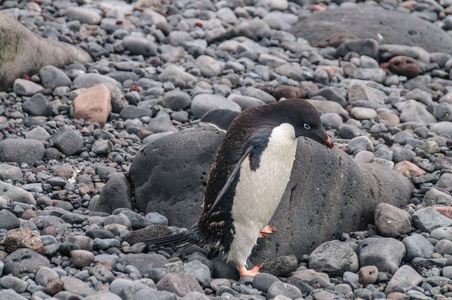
{"x":250,"y":273}
{"x":269,"y":229}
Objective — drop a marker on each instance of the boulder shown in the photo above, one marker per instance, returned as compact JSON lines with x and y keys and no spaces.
{"x":24,"y":52}
{"x":327,"y":194}
{"x":367,"y":22}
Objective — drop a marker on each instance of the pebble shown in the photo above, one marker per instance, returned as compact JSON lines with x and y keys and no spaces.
{"x":334,"y":258}
{"x":392,"y":221}
{"x":26,"y":88}
{"x":93,"y":105}
{"x":384,"y":253}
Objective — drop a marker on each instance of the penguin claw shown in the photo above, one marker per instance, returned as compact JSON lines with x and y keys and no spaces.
{"x":262,"y":235}
{"x":250,"y":273}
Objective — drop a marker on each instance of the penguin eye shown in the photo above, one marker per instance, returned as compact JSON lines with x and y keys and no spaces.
{"x":306,"y":126}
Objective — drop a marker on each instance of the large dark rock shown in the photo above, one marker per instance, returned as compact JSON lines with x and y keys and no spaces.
{"x":367,"y":22}
{"x":24,"y":52}
{"x":328,"y":192}
{"x":170,"y":174}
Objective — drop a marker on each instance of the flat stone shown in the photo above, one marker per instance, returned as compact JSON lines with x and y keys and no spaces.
{"x":429,"y":219}
{"x":384,"y":253}
{"x":21,"y":150}
{"x":334,"y":258}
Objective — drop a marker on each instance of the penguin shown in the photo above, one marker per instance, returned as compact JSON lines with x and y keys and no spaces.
{"x":248,"y":178}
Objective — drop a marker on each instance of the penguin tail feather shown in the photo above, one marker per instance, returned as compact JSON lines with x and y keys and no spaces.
{"x":177,"y":241}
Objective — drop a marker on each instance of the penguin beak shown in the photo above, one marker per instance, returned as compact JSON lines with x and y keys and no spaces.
{"x":327,"y":141}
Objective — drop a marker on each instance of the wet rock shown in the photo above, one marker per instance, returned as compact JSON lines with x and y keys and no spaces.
{"x":392,"y":221}
{"x":404,"y":65}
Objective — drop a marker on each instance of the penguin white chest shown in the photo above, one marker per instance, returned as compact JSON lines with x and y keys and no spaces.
{"x":259,"y":192}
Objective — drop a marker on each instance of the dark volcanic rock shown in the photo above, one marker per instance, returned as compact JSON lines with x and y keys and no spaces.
{"x":189,"y":155}
{"x":367,"y":22}
{"x":116,"y":194}
{"x":328,"y":192}
{"x":23,"y":262}
{"x":25,"y":53}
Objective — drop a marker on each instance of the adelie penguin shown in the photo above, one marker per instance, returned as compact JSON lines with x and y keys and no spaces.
{"x":248,"y":178}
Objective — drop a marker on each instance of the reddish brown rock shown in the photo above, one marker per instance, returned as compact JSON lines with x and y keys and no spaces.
{"x":408,"y":169}
{"x":23,"y":238}
{"x":104,"y":263}
{"x":445,"y":211}
{"x":331,"y":70}
{"x":93,"y":105}
{"x":179,"y":283}
{"x":28,"y":214}
{"x":49,"y":230}
{"x":409,"y":5}
{"x":54,"y":286}
{"x":368,"y":274}
{"x":396,"y":295}
{"x":335,"y":40}
{"x":388,"y":118}
{"x":81,"y":258}
{"x":392,"y":221}
{"x":287,"y":91}
{"x":404,"y":65}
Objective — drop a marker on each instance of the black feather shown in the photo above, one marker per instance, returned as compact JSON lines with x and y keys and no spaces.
{"x":176,"y":241}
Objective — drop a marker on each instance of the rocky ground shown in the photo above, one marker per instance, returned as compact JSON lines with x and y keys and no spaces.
{"x":157,"y":68}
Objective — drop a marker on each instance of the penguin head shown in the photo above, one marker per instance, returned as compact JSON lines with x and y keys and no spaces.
{"x":304,"y":118}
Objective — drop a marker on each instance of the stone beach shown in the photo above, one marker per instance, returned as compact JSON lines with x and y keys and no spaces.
{"x":102,"y":147}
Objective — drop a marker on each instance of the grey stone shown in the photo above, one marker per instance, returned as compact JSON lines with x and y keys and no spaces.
{"x":21,"y":150}
{"x":44,"y":221}
{"x":417,"y":246}
{"x":38,"y":133}
{"x":11,"y":282}
{"x":395,"y":27}
{"x":198,"y":270}
{"x":10,"y":172}
{"x":67,"y":140}
{"x":405,"y":277}
{"x":368,"y":47}
{"x":23,"y":262}
{"x":348,"y":131}
{"x":116,"y":193}
{"x":44,"y":275}
{"x":161,"y":123}
{"x":172,"y":71}
{"x":37,"y":105}
{"x":139,"y":46}
{"x":208,"y":66}
{"x":24,"y":87}
{"x":435,"y":196}
{"x":428,"y":219}
{"x":332,"y":120}
{"x":421,"y":96}
{"x":360,"y":143}
{"x":263,"y":281}
{"x":179,"y":283}
{"x":360,"y":91}
{"x":149,"y":294}
{"x":442,"y":233}
{"x":332,"y":94}
{"x":442,"y":128}
{"x":10,"y":295}
{"x":76,"y":286}
{"x":392,"y":221}
{"x":334,"y":258}
{"x":353,"y":190}
{"x":373,"y":74}
{"x":132,"y":112}
{"x":444,"y":247}
{"x":103,"y":296}
{"x":8,"y":220}
{"x":245,"y":101}
{"x":285,"y":289}
{"x":384,"y":253}
{"x":203,"y":103}
{"x":143,"y":261}
{"x":281,"y":266}
{"x":257,"y":93}
{"x":176,"y":100}
{"x":52,"y":77}
{"x":83,"y":14}
{"x":15,"y":193}
{"x":443,"y":112}
{"x":154,"y":218}
{"x":325,"y":106}
{"x":414,"y":111}
{"x":102,"y":147}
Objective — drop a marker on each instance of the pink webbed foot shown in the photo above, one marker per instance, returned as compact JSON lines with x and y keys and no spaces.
{"x":267,"y":229}
{"x":250,"y":273}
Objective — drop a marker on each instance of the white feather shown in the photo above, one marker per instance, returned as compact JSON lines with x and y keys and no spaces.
{"x":259,"y":192}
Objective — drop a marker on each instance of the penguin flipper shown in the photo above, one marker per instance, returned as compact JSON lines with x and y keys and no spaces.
{"x":231,"y":178}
